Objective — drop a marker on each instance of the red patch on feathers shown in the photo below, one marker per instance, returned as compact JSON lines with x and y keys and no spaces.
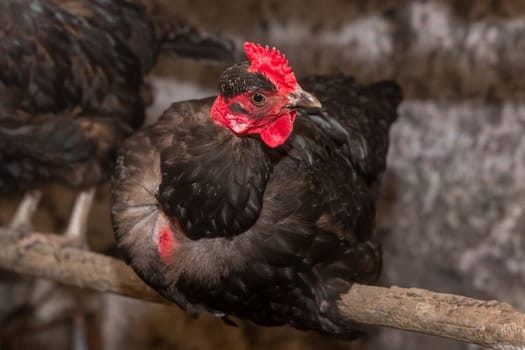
{"x":166,"y":241}
{"x":272,"y":64}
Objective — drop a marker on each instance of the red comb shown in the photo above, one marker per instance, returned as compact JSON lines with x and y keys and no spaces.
{"x":272,"y":64}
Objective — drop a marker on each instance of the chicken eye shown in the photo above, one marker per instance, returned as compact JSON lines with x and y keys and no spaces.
{"x":258,"y":99}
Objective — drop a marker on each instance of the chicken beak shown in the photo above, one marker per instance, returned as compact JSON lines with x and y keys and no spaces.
{"x":302,"y":99}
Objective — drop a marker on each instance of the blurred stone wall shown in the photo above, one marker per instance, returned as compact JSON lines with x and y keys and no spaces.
{"x":452,"y":213}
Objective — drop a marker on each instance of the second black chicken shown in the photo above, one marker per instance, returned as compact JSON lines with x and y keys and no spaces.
{"x":71,"y":89}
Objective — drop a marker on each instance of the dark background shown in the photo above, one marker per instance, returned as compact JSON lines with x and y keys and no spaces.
{"x":452,"y":212}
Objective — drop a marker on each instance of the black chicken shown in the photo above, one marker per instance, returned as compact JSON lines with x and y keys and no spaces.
{"x":71,"y":76}
{"x":221,"y":207}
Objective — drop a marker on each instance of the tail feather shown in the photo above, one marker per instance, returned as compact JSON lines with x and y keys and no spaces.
{"x":390,"y":92}
{"x":185,"y":40}
{"x":366,"y":112}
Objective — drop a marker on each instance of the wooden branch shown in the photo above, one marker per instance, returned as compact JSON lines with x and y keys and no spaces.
{"x":45,"y":256}
{"x":488,"y":323}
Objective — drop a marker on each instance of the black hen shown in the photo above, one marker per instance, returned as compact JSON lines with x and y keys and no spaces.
{"x":71,"y":77}
{"x":221,"y":207}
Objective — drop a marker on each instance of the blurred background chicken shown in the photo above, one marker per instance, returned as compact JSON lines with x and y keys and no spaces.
{"x":72,"y":88}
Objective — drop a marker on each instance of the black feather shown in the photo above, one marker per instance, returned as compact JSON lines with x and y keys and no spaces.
{"x":237,"y":80}
{"x":200,"y":189}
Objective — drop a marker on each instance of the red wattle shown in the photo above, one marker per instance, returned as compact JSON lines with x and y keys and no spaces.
{"x":277,"y":132}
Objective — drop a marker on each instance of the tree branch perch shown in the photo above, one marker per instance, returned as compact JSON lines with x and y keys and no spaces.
{"x":488,"y":323}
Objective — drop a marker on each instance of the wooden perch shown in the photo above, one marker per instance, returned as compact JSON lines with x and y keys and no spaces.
{"x":45,"y":256}
{"x":488,"y":323}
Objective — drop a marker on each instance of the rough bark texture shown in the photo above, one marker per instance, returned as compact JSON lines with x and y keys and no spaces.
{"x":453,"y":207}
{"x":48,"y":256}
{"x":489,"y":323}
